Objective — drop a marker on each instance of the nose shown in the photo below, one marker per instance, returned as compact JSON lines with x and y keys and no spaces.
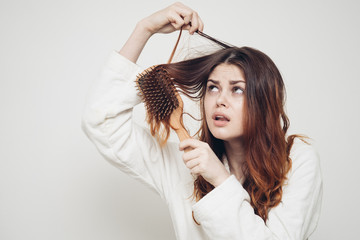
{"x":222,"y":99}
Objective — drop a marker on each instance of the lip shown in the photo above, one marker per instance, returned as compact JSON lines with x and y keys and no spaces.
{"x":220,"y":114}
{"x":220,"y":123}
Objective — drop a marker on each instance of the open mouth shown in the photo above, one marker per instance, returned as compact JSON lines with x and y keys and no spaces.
{"x":220,"y":117}
{"x":220,"y":120}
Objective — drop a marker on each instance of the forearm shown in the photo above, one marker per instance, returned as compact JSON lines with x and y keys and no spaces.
{"x":108,"y":122}
{"x":136,"y":42}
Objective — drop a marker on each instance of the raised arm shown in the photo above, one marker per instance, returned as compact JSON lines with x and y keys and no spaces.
{"x":107,"y":117}
{"x":166,"y":20}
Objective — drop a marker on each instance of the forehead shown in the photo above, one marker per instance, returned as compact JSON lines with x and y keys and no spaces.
{"x":226,"y":71}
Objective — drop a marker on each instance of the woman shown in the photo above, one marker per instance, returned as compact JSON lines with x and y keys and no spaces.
{"x":251,"y":181}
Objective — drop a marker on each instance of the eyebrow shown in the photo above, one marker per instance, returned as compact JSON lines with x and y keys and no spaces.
{"x":232,"y":82}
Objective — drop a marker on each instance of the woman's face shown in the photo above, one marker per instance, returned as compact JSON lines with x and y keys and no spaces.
{"x":224,"y":102}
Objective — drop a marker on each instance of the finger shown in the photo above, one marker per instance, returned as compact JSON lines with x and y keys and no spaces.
{"x":187,"y":19}
{"x":194,"y":23}
{"x":191,"y":164}
{"x":190,"y":155}
{"x":183,"y":10}
{"x":190,"y":142}
{"x":176,"y":21}
{"x":201,"y":24}
{"x":186,"y":27}
{"x":196,"y":170}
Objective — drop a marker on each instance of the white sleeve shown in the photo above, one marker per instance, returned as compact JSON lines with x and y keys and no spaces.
{"x":107,"y":121}
{"x":226,"y":213}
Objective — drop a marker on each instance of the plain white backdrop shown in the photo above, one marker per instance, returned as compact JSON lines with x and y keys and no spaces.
{"x":53,"y":182}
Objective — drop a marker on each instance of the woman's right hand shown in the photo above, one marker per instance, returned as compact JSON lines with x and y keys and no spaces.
{"x":173,"y":18}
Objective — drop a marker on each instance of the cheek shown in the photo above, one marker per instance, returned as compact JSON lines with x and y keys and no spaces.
{"x":239,"y":109}
{"x":206,"y":107}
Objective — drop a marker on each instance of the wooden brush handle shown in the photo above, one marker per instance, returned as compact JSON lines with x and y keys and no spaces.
{"x":176,"y":124}
{"x":182,"y":135}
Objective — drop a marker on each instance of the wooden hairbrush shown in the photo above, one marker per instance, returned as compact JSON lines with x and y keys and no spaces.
{"x":163,"y":103}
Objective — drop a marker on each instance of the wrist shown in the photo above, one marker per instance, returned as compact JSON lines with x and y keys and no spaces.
{"x":221,"y":179}
{"x":143,"y":28}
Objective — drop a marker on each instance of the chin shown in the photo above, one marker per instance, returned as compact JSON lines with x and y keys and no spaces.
{"x":225,"y":135}
{"x":221,"y":135}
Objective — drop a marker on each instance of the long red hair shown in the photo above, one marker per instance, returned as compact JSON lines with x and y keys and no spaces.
{"x":267,"y":149}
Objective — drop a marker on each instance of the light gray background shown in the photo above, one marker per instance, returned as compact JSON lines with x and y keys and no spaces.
{"x":53,"y":182}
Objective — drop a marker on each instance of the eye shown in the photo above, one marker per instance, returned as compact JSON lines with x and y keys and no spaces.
{"x":238,"y":90}
{"x":213,"y":88}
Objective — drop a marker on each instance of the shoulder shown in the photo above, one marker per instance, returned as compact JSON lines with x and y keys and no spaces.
{"x":304,"y":158}
{"x":304,"y":179}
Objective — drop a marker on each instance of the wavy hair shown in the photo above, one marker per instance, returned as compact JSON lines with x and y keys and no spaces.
{"x":266,"y":146}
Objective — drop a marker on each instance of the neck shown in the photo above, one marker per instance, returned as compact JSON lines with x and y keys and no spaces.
{"x":235,"y":154}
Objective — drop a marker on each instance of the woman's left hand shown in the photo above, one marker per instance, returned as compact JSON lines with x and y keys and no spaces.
{"x":201,"y":160}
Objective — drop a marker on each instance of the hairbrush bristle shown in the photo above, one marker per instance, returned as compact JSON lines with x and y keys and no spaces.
{"x":159,"y":95}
